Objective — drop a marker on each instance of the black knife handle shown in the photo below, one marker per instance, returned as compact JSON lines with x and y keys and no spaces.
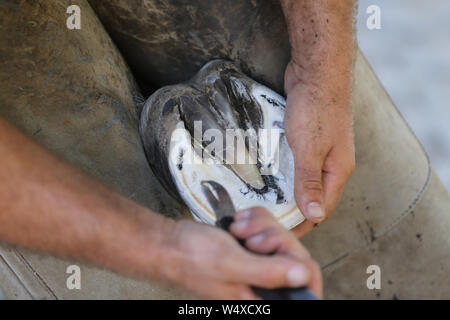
{"x":301,"y":293}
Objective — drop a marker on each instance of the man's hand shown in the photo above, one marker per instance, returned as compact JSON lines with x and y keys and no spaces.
{"x":211,"y":263}
{"x":320,"y":132}
{"x":48,"y":205}
{"x":318,"y":119}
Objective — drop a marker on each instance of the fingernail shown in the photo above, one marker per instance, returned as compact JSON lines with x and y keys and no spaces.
{"x":314,"y":211}
{"x":297,"y":276}
{"x":240,"y":225}
{"x":244,"y":214}
{"x":256,"y":239}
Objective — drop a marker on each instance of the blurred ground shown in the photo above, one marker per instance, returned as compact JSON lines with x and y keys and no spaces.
{"x":411,"y":56}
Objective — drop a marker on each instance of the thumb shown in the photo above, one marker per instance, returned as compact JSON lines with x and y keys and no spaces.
{"x":309,"y":188}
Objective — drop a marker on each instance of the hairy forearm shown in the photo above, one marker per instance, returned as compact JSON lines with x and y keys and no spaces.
{"x":47,"y":204}
{"x":322,"y":40}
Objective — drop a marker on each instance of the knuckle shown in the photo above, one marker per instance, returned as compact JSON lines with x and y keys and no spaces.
{"x":271,"y":239}
{"x":312,"y":185}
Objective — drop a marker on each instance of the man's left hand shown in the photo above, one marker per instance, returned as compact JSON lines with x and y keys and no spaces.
{"x":319,"y":129}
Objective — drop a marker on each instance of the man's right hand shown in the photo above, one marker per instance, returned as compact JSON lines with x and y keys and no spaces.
{"x":46,"y":204}
{"x":210,"y":263}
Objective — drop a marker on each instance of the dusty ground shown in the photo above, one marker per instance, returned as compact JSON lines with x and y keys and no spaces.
{"x":411,"y":55}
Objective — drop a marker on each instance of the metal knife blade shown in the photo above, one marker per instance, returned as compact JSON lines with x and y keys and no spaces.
{"x":220,"y":202}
